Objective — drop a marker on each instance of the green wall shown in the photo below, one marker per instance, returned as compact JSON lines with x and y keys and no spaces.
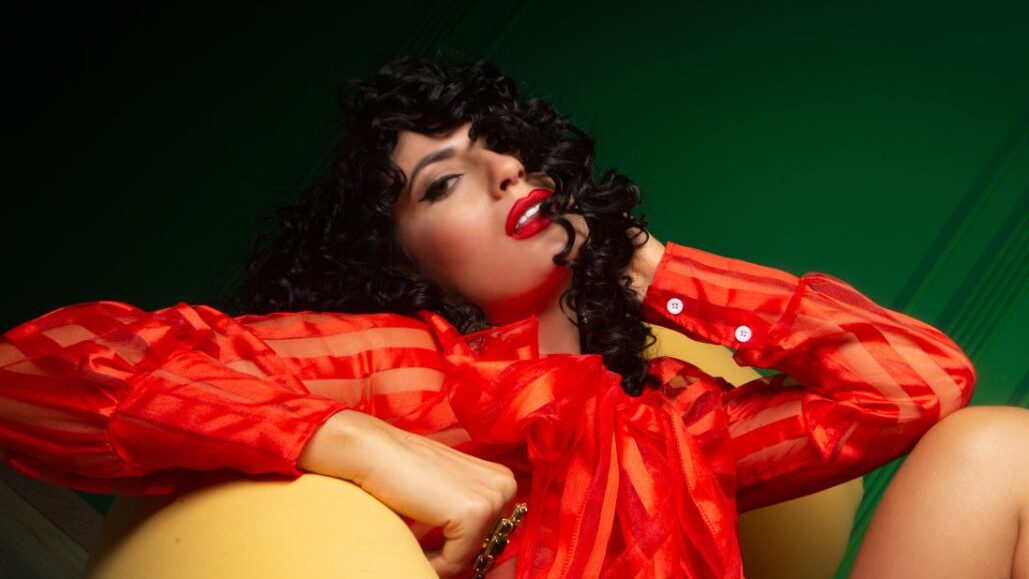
{"x":883,"y":143}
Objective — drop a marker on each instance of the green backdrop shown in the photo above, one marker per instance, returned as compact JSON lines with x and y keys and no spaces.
{"x":884,"y":143}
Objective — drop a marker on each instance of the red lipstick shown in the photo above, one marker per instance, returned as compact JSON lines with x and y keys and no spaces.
{"x":535,"y":224}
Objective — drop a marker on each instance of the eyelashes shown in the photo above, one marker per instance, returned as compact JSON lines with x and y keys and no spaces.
{"x":439,"y":187}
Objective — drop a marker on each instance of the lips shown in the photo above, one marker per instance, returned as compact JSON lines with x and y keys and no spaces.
{"x":520,"y":207}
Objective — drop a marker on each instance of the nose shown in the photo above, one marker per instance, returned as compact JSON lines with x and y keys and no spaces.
{"x":506,"y":172}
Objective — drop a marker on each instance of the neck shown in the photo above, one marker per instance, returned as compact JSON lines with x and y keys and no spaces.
{"x":557,"y":335}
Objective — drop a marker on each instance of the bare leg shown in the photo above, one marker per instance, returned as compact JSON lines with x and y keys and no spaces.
{"x":959,"y":506}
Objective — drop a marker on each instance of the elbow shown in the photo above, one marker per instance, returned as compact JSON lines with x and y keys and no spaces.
{"x":953,"y":377}
{"x":939,"y":393}
{"x":957,"y":392}
{"x":953,"y":380}
{"x":966,"y":379}
{"x":965,"y":376}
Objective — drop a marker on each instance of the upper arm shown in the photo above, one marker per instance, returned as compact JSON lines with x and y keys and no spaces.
{"x":105,"y":396}
{"x":389,"y":362}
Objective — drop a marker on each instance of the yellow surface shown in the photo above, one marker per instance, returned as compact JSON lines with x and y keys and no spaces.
{"x":314,"y":527}
{"x":319,"y":527}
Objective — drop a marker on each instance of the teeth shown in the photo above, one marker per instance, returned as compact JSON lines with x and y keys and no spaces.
{"x":529,"y":214}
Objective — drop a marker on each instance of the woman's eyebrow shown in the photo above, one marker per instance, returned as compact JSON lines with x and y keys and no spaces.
{"x":444,"y":153}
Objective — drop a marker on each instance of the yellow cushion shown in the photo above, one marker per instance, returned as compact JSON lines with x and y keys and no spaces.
{"x":313,"y":527}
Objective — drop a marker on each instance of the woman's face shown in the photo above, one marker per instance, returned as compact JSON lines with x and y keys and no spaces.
{"x":451,"y":220}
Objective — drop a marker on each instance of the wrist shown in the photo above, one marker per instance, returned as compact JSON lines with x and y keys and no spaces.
{"x":346,"y":425}
{"x":333,"y":448}
{"x":650,"y":257}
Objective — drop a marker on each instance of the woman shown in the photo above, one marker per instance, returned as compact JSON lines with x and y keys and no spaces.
{"x":491,"y":352}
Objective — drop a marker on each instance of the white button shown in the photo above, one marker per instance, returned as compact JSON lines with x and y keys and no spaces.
{"x":743,"y":333}
{"x":675,"y":306}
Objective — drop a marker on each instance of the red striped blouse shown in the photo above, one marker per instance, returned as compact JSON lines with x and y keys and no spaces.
{"x":107,"y":398}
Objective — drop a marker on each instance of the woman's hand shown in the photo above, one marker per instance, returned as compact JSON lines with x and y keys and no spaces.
{"x":417,"y":477}
{"x":644,"y":262}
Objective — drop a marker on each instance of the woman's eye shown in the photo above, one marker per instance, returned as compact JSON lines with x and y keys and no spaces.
{"x":440,"y":187}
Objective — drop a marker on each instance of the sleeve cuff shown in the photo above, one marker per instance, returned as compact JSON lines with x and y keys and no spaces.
{"x":214,"y":420}
{"x":717,"y":299}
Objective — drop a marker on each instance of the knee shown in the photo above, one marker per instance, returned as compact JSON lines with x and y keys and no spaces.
{"x":980,"y":435}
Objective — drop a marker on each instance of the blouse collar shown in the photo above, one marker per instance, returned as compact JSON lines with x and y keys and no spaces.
{"x":517,"y":340}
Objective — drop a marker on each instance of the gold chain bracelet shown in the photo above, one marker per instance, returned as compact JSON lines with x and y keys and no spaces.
{"x":495,"y":542}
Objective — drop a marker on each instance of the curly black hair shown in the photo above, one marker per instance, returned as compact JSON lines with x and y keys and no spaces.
{"x":335,"y":247}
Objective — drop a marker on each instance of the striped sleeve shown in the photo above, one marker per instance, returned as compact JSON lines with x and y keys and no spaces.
{"x":859,"y":383}
{"x":107,"y":398}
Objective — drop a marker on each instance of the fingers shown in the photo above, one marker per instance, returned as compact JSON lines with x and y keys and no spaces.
{"x":637,"y":233}
{"x":430,"y":482}
{"x":465,"y":533}
{"x":464,"y":538}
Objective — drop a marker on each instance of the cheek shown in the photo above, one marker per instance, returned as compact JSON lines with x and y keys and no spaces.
{"x":454,"y":247}
{"x":468,"y":251}
{"x":448,"y":250}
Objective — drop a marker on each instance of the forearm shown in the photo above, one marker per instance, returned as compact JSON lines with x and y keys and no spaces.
{"x":332,"y":449}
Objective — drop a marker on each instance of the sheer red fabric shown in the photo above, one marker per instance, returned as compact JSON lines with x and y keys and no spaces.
{"x":107,"y":398}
